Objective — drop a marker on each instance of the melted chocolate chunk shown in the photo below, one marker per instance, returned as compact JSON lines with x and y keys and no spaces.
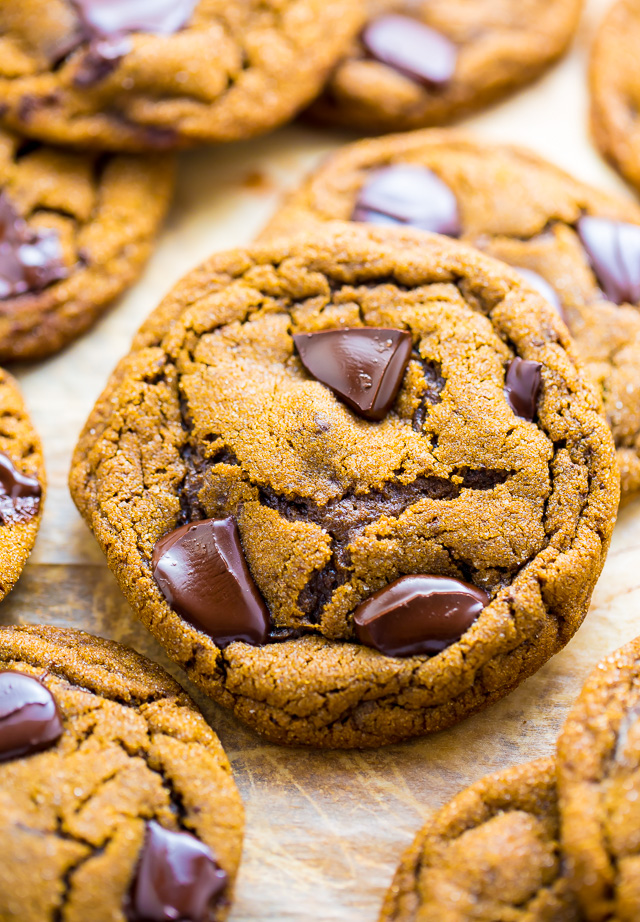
{"x":412,"y":48}
{"x":418,"y":615}
{"x":613,"y":248}
{"x":203,"y":575}
{"x":363,"y":366}
{"x":543,"y":288}
{"x":106,"y":24}
{"x":522,"y":386}
{"x":19,"y":493}
{"x":29,"y":717}
{"x":29,"y":259}
{"x":409,"y":195}
{"x":177,"y":878}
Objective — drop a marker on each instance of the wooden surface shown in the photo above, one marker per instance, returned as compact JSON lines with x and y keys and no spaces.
{"x":324,"y":830}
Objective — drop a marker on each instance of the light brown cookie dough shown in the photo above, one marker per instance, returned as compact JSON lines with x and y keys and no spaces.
{"x":599,"y":789}
{"x":146,"y":78}
{"x":614,"y":80}
{"x":130,"y":750}
{"x":22,"y":483}
{"x":490,"y":855}
{"x":521,"y":209}
{"x":213,"y":415}
{"x":497,"y":47}
{"x":92,"y":221}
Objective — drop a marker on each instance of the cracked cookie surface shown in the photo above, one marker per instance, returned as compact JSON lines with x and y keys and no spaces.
{"x":599,"y":789}
{"x":492,"y":854}
{"x":20,"y":456}
{"x":615,"y":89}
{"x":100,"y":215}
{"x":499,"y":46}
{"x":227,"y":69}
{"x":523,"y":210}
{"x":212,"y":414}
{"x":134,"y":749}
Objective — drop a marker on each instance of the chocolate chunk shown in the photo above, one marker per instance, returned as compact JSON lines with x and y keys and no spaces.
{"x":29,"y":259}
{"x":29,"y":716}
{"x":410,"y":195}
{"x":203,"y":575}
{"x":522,"y":386}
{"x":412,"y":48}
{"x":363,"y":366}
{"x":543,"y":288}
{"x":19,"y":493}
{"x":106,"y":24}
{"x":418,"y":615}
{"x":613,"y":248}
{"x":177,"y":878}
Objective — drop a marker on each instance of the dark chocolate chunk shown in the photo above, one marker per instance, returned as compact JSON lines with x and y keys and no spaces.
{"x":203,"y":575}
{"x":177,"y":878}
{"x":29,"y":259}
{"x":543,"y":288}
{"x":19,"y":493}
{"x":101,"y":58}
{"x":363,"y":366}
{"x":29,"y":717}
{"x":409,"y":195}
{"x":522,"y":386}
{"x":418,"y":615}
{"x":412,"y":48}
{"x":613,"y":248}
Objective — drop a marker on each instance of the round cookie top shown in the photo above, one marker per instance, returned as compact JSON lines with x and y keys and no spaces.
{"x":431,"y":61}
{"x":148,"y":76}
{"x":599,"y":788}
{"x":114,"y":791}
{"x":22,"y":483}
{"x":75,"y":231}
{"x":615,"y":89}
{"x":491,"y":853}
{"x":215,"y":426}
{"x":523,"y":210}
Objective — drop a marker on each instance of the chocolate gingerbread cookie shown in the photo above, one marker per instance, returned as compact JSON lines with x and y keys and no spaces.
{"x":22,"y":483}
{"x":353,"y":483}
{"x":427,"y":62}
{"x":117,"y":799}
{"x":615,"y":89}
{"x":599,"y":789}
{"x":490,"y":855}
{"x":152,"y":75}
{"x":75,"y":232}
{"x":578,"y":246}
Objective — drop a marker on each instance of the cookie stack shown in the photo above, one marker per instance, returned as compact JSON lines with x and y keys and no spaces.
{"x":358,"y":478}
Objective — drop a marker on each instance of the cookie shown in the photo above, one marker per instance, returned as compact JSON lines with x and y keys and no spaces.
{"x":75,"y":232}
{"x":599,"y":789}
{"x":156,"y":76}
{"x":22,"y":483}
{"x":559,"y":233}
{"x":432,"y":61}
{"x":117,"y":799}
{"x":491,"y":854}
{"x":615,"y":89}
{"x":252,"y":516}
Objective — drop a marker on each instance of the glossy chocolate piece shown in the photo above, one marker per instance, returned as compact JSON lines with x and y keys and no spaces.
{"x":408,"y":195}
{"x":412,"y":48}
{"x":204,"y":577}
{"x":107,"y":23}
{"x":29,"y":717}
{"x":177,"y":879}
{"x":29,"y":259}
{"x":363,"y":366}
{"x":418,"y":615}
{"x":19,"y":493}
{"x":543,"y":288}
{"x":522,"y":386}
{"x":613,"y":248}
